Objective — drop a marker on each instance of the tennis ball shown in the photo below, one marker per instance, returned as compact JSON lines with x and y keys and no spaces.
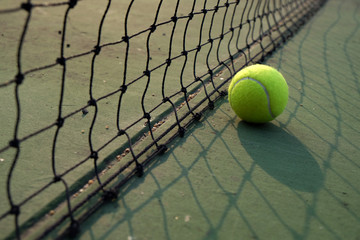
{"x":258,"y":93}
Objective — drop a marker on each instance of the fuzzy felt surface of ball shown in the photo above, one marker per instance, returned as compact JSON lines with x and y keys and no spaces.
{"x":258,"y":93}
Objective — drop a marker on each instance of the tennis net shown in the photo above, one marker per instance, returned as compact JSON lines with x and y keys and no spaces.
{"x":92,"y":91}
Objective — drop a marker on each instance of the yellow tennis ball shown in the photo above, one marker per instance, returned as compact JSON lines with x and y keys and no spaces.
{"x":258,"y":93}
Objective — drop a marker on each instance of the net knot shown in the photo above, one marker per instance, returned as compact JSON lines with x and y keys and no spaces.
{"x":61,"y":61}
{"x":74,"y":229}
{"x":166,"y":99}
{"x":181,"y":131}
{"x":26,"y":6}
{"x":152,"y":28}
{"x":162,"y":148}
{"x":174,"y":19}
{"x":121,"y":132}
{"x":223,"y":93}
{"x":183,"y":89}
{"x":191,"y":15}
{"x":15,"y":210}
{"x":123,"y":88}
{"x":15,"y":143}
{"x":72,"y":3}
{"x":168,"y":62}
{"x":197,"y":116}
{"x":92,"y":102}
{"x":19,"y":78}
{"x":97,"y":50}
{"x":94,"y":155}
{"x":184,"y":53}
{"x":211,"y":105}
{"x":147,"y":116}
{"x":147,"y":73}
{"x":125,"y":39}
{"x":57,"y":179}
{"x":60,"y":122}
{"x":109,"y":195}
{"x":139,"y":170}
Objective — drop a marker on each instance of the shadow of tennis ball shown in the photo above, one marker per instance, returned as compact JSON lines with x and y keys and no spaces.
{"x":281,"y":155}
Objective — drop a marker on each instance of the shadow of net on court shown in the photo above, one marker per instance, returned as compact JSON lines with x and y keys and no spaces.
{"x":88,"y":86}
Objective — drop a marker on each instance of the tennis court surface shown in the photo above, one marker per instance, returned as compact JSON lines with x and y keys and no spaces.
{"x":297,"y":177}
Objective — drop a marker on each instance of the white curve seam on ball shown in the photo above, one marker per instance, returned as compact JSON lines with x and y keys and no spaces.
{"x":265,"y":90}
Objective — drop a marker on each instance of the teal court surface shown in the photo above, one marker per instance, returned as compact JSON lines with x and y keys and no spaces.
{"x":296,"y":177}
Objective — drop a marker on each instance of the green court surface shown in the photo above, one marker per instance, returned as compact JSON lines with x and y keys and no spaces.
{"x":297,"y":177}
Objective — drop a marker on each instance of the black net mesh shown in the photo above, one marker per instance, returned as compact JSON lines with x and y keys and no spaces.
{"x":89,"y":86}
